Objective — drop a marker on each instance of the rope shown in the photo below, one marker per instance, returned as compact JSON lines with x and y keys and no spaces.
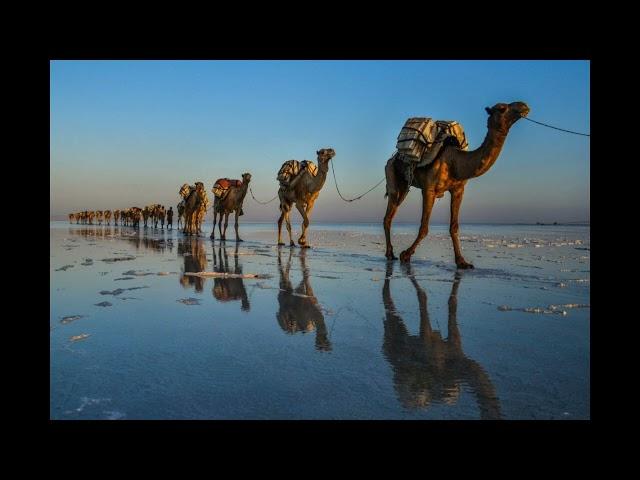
{"x":359,"y":196}
{"x":261,"y":203}
{"x":556,"y":128}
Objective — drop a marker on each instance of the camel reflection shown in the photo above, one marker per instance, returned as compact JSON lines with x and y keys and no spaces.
{"x":157,"y":243}
{"x":299,"y":310}
{"x":192,"y":249}
{"x":228,"y":289}
{"x":427,"y":368}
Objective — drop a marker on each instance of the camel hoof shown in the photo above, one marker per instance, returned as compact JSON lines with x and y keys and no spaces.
{"x":239,"y":240}
{"x":280,"y":244}
{"x":292,"y":244}
{"x":305,"y":245}
{"x":391,"y":256}
{"x":464,"y":265}
{"x":405,"y":256}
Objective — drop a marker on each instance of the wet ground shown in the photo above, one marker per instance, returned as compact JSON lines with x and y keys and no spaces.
{"x":332,"y":332}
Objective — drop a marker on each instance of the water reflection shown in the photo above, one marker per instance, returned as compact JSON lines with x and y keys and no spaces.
{"x":228,"y":289}
{"x":192,"y":249}
{"x":427,"y":368}
{"x":157,"y":243}
{"x":298,"y":308}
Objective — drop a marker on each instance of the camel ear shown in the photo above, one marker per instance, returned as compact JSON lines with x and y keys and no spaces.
{"x":488,"y":110}
{"x":317,"y":152}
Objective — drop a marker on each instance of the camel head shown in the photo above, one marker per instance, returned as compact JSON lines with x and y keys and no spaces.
{"x":185,"y":190}
{"x":503,"y":115}
{"x":325,"y":154}
{"x":246,"y":177}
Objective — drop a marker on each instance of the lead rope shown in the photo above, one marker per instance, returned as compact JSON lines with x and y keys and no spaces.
{"x":261,"y":203}
{"x":359,"y":196}
{"x":556,"y":128}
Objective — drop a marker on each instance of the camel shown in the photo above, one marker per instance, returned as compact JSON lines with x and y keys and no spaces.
{"x":303,"y":191}
{"x":229,"y":289}
{"x":202,"y":211}
{"x":450,"y":171}
{"x":160,"y":214}
{"x":231,"y":202}
{"x":193,"y":199}
{"x":72,"y":217}
{"x":426,"y":367}
{"x":116,"y":216}
{"x":180,"y":209}
{"x":107,"y":217}
{"x":99,"y":217}
{"x":90,"y":216}
{"x":298,"y":308}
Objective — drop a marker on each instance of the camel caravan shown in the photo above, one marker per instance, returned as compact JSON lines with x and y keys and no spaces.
{"x":431,"y":155}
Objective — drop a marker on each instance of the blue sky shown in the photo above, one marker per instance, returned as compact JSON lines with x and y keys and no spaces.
{"x":127,"y":133}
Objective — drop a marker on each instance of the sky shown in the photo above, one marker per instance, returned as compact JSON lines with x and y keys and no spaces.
{"x":130,"y":133}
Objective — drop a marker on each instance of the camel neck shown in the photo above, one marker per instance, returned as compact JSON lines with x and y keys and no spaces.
{"x":480,"y":160}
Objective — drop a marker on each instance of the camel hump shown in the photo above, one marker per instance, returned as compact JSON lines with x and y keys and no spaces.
{"x":452,"y":133}
{"x":222,"y":186}
{"x":288,"y":171}
{"x":309,"y":166}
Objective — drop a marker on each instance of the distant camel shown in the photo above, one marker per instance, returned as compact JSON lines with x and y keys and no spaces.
{"x":303,"y":191}
{"x":449,"y":172}
{"x":231,"y":202}
{"x":107,"y":217}
{"x":427,"y":368}
{"x":193,"y":199}
{"x":180,"y":210}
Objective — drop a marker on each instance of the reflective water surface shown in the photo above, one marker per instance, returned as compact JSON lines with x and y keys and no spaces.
{"x":332,"y":332}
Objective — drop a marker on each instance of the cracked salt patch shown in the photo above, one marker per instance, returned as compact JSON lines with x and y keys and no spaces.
{"x":64,"y":268}
{"x":189,"y":301}
{"x":71,"y":318}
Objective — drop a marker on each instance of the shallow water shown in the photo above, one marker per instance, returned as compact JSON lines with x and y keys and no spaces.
{"x":332,"y":332}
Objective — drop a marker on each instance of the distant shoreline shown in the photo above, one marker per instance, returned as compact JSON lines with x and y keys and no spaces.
{"x":537,"y":224}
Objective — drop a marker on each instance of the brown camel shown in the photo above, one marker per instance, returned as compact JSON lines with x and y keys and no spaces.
{"x":193,"y":199}
{"x":231,"y":202}
{"x":298,"y":308}
{"x":72,"y":217}
{"x":107,"y":217}
{"x":450,"y":172}
{"x":303,"y":191}
{"x":426,"y":367}
{"x":116,"y":216}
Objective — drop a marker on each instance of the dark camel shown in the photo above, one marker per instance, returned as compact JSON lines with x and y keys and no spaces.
{"x":231,"y":202}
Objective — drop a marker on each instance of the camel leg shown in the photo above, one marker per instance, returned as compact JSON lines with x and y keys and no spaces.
{"x":238,"y":239}
{"x":456,"y":201}
{"x":220,"y":225}
{"x":287,"y":218}
{"x":226,"y":224}
{"x":393,"y":203}
{"x":305,"y":223}
{"x":280,"y":242}
{"x":213,"y":232}
{"x":428,"y":199}
{"x":395,"y":196}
